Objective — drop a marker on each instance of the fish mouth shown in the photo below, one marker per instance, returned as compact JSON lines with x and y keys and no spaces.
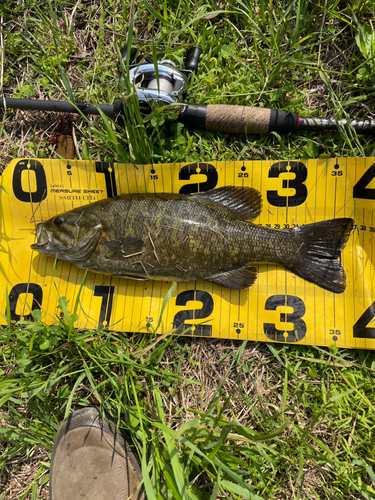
{"x":43,"y":241}
{"x":48,"y":245}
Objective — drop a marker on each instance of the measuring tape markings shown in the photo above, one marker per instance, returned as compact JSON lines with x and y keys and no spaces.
{"x":361,"y":192}
{"x":298,"y":331}
{"x":330,"y":193}
{"x":292,"y":175}
{"x":336,"y":334}
{"x":314,"y":195}
{"x":36,"y":192}
{"x":239,"y":325}
{"x":372,"y":278}
{"x":361,"y":261}
{"x":155,"y":296}
{"x":332,"y":306}
{"x":72,"y":281}
{"x":294,"y":314}
{"x":69,"y":280}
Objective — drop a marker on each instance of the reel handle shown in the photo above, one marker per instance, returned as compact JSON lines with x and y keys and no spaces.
{"x":192,"y":58}
{"x":124,"y":53}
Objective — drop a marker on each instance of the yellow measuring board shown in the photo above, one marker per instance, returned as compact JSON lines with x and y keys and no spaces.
{"x":279,"y":307}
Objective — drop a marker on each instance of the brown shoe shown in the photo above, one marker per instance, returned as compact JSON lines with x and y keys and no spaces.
{"x":91,"y":460}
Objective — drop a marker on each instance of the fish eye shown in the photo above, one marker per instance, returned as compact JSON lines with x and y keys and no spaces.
{"x":58,"y":221}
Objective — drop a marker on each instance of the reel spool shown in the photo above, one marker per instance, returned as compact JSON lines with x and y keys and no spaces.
{"x":166,"y":86}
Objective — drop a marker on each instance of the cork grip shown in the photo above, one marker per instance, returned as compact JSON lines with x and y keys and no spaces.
{"x":237,"y":119}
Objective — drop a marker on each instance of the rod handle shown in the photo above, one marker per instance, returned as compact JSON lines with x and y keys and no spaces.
{"x":238,"y":119}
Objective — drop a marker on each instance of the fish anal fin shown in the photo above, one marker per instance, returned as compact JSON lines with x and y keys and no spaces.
{"x":246,"y":201}
{"x":121,"y":247}
{"x":244,"y":277}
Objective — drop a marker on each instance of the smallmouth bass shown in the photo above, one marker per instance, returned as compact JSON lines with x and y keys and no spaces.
{"x":175,"y":237}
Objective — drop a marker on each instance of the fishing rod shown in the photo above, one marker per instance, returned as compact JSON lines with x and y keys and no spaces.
{"x":166,"y":87}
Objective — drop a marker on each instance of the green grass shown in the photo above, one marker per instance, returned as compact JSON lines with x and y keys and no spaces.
{"x":269,"y":422}
{"x":210,"y":418}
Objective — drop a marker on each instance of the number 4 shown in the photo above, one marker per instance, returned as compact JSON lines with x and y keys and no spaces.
{"x":360,"y":190}
{"x":360,"y":329}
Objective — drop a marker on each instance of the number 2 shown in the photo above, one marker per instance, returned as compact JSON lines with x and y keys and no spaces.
{"x":207,"y":307}
{"x":205,"y":168}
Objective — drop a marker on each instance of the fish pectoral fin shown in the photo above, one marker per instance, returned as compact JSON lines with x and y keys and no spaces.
{"x":246,"y":201}
{"x":236,"y":279}
{"x":123,"y":247}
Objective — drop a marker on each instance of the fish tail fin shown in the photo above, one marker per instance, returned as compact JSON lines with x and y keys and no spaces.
{"x":318,"y":249}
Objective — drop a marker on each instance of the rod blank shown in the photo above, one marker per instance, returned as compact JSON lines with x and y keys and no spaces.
{"x":59,"y":106}
{"x":328,"y":124}
{"x":217,"y":117}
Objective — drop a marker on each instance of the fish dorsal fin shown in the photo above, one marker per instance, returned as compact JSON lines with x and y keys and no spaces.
{"x":246,"y":201}
{"x":121,"y":248}
{"x":237,"y":279}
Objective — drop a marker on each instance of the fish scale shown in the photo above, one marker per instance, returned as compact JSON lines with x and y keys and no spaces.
{"x":190,"y":240}
{"x":183,"y":238}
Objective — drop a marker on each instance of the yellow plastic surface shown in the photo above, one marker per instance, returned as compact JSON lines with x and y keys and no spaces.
{"x":279,"y":307}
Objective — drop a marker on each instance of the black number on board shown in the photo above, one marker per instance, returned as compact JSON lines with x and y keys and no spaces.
{"x":337,"y":173}
{"x":360,"y":328}
{"x":102,"y":167}
{"x":360,"y":189}
{"x":300,"y":171}
{"x":204,"y":168}
{"x":299,"y":310}
{"x":335,"y":332}
{"x":106,"y":292}
{"x":25,"y":288}
{"x":243,"y":175}
{"x":206,"y":310}
{"x":39,"y":175}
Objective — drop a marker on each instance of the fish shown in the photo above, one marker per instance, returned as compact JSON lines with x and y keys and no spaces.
{"x":203,"y":236}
